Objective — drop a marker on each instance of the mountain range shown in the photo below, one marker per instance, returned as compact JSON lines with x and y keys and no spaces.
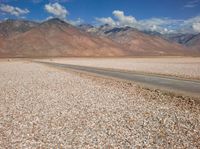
{"x":53,"y":38}
{"x":56,"y":38}
{"x":189,"y":40}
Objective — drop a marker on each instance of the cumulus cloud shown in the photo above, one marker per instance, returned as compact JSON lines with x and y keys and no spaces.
{"x":75,"y":22}
{"x":56,"y":9}
{"x":122,"y":19}
{"x":162,"y":25}
{"x":16,"y":11}
{"x":108,"y":21}
{"x":48,"y":18}
{"x":61,"y":12}
{"x":196,"y":26}
{"x":191,"y":25}
{"x":157,"y":21}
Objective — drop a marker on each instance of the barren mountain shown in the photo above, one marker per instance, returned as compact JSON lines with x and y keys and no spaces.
{"x":189,"y":40}
{"x":19,"y":38}
{"x":87,"y":28}
{"x":181,"y":38}
{"x":194,"y":42}
{"x":178,"y":37}
{"x":12,"y":27}
{"x":100,"y":31}
{"x":58,"y":38}
{"x":145,"y":44}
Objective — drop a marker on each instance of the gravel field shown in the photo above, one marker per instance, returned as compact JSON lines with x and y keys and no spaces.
{"x":186,"y":67}
{"x":43,"y":107}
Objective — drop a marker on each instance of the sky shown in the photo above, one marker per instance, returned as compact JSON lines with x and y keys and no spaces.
{"x":154,"y":15}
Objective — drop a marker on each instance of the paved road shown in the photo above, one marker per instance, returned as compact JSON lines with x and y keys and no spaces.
{"x":171,"y":84}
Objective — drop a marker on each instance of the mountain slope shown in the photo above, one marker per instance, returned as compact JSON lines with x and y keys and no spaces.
{"x":178,"y":37}
{"x":19,"y":38}
{"x":58,"y":38}
{"x":13,"y":27}
{"x":194,"y":42}
{"x":190,"y":40}
{"x":144,"y":44}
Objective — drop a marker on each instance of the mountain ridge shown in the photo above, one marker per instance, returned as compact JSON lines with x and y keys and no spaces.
{"x":56,"y":37}
{"x":177,"y":38}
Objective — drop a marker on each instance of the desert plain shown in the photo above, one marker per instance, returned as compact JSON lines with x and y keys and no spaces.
{"x":183,"y":67}
{"x":47,"y":107}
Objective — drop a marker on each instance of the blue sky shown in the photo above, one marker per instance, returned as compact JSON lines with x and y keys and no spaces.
{"x":167,"y":14}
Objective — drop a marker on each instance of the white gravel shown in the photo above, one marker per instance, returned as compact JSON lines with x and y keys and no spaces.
{"x":186,"y":67}
{"x":43,"y":107}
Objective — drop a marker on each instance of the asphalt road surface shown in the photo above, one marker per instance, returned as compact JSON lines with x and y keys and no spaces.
{"x":172,"y":84}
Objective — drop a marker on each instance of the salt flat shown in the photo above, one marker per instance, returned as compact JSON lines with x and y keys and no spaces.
{"x":46,"y":107}
{"x":186,"y":67}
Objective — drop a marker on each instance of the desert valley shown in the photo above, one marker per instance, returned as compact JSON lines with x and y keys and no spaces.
{"x":65,"y":85}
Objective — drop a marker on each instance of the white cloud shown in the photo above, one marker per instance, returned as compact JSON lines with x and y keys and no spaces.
{"x":192,"y":4}
{"x":162,"y":25}
{"x":120,"y":20}
{"x":57,"y":10}
{"x":49,"y":18}
{"x":196,"y":27}
{"x":75,"y":22}
{"x":16,"y":11}
{"x":108,"y":21}
{"x":61,"y":12}
{"x":123,"y":20}
{"x":157,"y":21}
{"x":190,"y":25}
